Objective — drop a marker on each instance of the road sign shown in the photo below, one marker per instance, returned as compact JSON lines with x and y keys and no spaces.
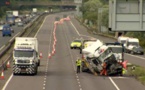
{"x":127,"y":15}
{"x":78,"y":1}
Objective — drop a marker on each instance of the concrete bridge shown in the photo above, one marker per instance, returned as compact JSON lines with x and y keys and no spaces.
{"x":49,"y":3}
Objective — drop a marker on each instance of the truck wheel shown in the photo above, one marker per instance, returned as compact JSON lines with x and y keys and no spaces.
{"x":10,"y":35}
{"x":84,"y":68}
{"x":15,"y":73}
{"x":132,"y":52}
{"x":71,"y":47}
{"x":80,"y":51}
{"x":142,"y":53}
{"x":36,"y":69}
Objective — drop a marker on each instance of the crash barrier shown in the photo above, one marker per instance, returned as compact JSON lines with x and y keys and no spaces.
{"x":3,"y":64}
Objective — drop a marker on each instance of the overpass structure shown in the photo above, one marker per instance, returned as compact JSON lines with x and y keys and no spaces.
{"x":49,"y":3}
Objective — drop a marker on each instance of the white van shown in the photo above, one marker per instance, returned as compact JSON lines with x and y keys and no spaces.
{"x":122,"y":39}
{"x":130,"y":43}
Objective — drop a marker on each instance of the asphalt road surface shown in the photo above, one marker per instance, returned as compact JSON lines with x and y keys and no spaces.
{"x":59,"y":72}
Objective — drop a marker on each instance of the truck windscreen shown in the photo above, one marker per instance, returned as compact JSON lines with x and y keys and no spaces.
{"x":133,"y":43}
{"x":104,"y":55}
{"x":117,"y":49}
{"x":123,"y":41}
{"x":19,"y":53}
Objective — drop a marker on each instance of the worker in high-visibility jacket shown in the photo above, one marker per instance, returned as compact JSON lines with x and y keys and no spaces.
{"x":78,"y":64}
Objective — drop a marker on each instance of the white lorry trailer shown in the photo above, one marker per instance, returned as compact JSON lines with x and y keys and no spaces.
{"x":25,"y":55}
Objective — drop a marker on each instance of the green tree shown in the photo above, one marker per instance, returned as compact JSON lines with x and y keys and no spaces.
{"x":90,"y":10}
{"x":105,"y":16}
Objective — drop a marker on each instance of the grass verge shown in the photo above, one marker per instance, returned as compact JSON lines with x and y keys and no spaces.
{"x":138,"y":72}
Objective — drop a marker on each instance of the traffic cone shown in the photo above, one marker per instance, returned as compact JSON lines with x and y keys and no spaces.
{"x":52,"y":52}
{"x":8,"y":64}
{"x":68,"y":18}
{"x":124,"y":64}
{"x":49,"y":56}
{"x":2,"y":75}
{"x":40,"y":55}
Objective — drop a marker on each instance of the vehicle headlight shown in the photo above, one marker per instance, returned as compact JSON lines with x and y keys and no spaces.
{"x":32,"y":61}
{"x":72,"y":44}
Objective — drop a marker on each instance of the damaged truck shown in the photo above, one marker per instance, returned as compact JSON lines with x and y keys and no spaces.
{"x":100,"y":60}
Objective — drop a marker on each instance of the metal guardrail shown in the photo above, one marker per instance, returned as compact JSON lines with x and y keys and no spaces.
{"x":58,"y":3}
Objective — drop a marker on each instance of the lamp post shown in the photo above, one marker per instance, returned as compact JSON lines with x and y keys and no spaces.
{"x":100,"y":13}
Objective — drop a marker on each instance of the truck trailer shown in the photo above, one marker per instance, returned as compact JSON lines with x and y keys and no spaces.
{"x":25,"y":56}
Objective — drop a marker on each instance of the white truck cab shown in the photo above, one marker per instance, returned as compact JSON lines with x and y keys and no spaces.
{"x":118,"y":50}
{"x":90,"y":50}
{"x":103,"y":52}
{"x":25,"y":55}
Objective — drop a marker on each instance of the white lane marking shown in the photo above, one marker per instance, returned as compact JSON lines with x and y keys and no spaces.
{"x":6,"y":84}
{"x":109,"y":77}
{"x":44,"y":87}
{"x":2,"y":47}
{"x":73,"y":60}
{"x":120,"y":77}
{"x":8,"y":79}
{"x":14,"y":37}
{"x":114,"y":83}
{"x":86,"y":36}
{"x":75,"y":28}
{"x":40,"y":26}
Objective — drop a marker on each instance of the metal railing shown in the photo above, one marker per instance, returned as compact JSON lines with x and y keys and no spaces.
{"x":50,"y":3}
{"x":10,"y":43}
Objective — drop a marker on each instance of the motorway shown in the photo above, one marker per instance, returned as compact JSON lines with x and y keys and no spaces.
{"x":5,"y":39}
{"x":59,"y":72}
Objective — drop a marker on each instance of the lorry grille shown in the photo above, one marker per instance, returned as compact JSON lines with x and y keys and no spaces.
{"x":23,"y":61}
